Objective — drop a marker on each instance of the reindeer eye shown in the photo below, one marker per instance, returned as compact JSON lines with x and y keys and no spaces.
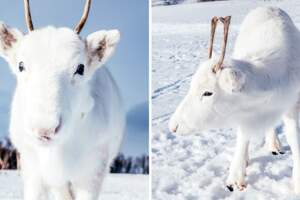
{"x":207,"y":94}
{"x":80,"y":70}
{"x":21,"y":66}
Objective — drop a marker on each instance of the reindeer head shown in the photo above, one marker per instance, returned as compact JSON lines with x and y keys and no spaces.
{"x":211,"y":97}
{"x":53,"y":67}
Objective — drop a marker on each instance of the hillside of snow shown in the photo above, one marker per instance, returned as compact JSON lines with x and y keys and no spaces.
{"x":196,"y":166}
{"x":174,"y":2}
{"x":116,"y":187}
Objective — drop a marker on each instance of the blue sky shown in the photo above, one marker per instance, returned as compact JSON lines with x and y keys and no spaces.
{"x":129,"y":65}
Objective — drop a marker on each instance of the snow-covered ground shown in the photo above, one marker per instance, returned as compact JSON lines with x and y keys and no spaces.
{"x":174,"y":2}
{"x":116,"y":186}
{"x":196,"y":166}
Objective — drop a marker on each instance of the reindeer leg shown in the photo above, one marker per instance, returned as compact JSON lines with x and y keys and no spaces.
{"x":89,"y":187}
{"x":291,"y":120}
{"x":63,"y":193}
{"x":272,"y":142}
{"x":34,"y":188}
{"x":237,"y":169}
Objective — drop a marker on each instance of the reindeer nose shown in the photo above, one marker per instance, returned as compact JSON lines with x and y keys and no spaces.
{"x":47,"y":133}
{"x":174,"y":129}
{"x":173,"y":124}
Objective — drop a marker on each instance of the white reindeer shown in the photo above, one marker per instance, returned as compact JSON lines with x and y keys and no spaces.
{"x":66,"y":119}
{"x":252,"y":91}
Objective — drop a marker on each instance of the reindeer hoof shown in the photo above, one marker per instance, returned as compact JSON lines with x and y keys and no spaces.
{"x":277,"y":152}
{"x":240,"y":187}
{"x":230,"y":187}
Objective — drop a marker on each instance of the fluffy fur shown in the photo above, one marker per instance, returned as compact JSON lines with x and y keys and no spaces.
{"x":67,"y":127}
{"x":257,"y":88}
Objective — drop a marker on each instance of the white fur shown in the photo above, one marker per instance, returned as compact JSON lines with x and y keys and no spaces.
{"x":76,"y":158}
{"x":258,"y":87}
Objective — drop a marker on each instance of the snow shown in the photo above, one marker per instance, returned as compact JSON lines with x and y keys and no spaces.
{"x":116,"y":186}
{"x":196,"y":166}
{"x":174,"y":2}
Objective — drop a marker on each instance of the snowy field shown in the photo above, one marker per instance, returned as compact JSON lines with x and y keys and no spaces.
{"x":116,"y":186}
{"x":196,"y":166}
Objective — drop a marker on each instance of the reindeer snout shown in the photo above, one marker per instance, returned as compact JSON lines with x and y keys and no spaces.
{"x":173,"y":125}
{"x":46,"y":133}
{"x":174,"y":129}
{"x":178,"y":126}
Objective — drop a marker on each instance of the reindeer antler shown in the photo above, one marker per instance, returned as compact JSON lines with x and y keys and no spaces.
{"x":79,"y":26}
{"x":84,"y":16}
{"x":226,"y":23}
{"x":28,"y":15}
{"x":213,"y":23}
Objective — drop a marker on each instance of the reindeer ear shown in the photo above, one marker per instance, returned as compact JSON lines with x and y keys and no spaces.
{"x":231,"y":80}
{"x":9,"y":38}
{"x":101,"y":46}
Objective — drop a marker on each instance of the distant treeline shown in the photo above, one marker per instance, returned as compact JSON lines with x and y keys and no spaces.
{"x":131,"y":165}
{"x":9,"y":159}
